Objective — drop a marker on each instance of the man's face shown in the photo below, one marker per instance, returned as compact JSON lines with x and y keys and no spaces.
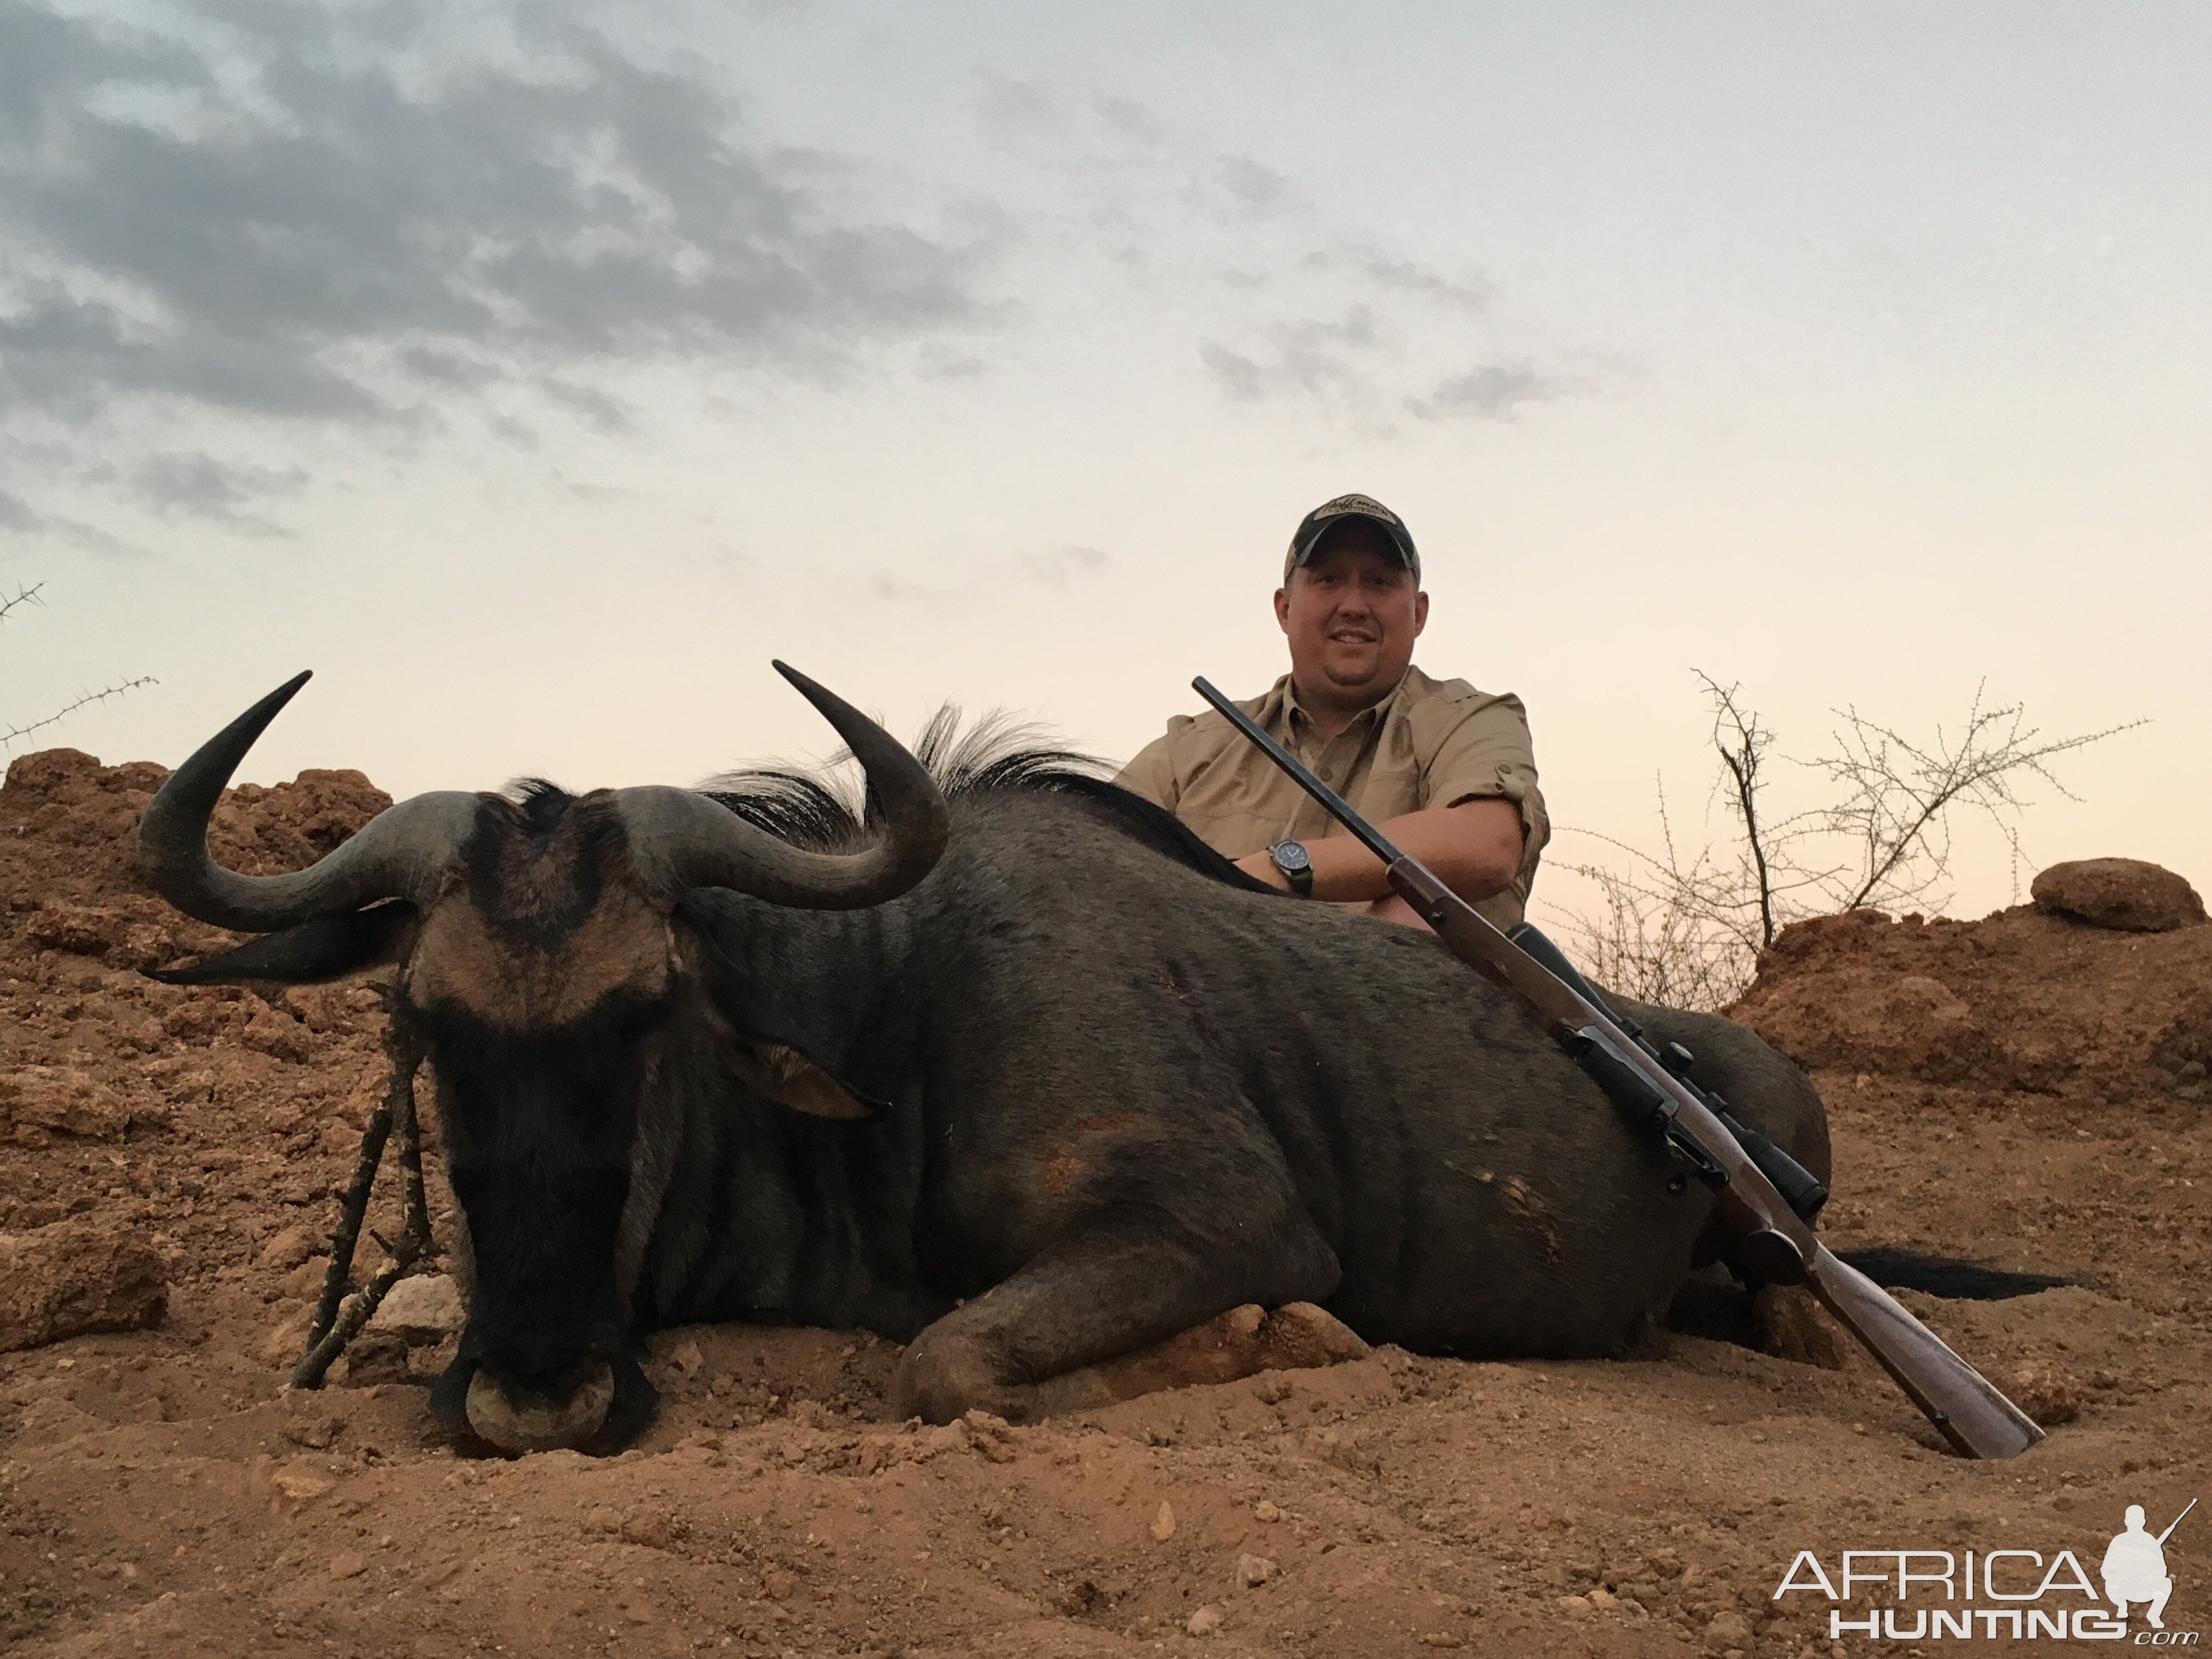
{"x":1351,"y":613}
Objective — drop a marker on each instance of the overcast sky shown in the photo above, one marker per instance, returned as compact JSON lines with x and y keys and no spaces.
{"x":536,"y":384}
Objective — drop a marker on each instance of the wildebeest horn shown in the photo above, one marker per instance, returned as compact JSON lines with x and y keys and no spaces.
{"x":402,"y":852}
{"x":682,"y":838}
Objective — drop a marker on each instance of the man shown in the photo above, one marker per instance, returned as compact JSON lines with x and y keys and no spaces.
{"x":1445,"y":771}
{"x":2135,"y":1567}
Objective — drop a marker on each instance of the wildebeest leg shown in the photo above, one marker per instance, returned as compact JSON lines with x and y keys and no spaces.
{"x":1121,"y":1282}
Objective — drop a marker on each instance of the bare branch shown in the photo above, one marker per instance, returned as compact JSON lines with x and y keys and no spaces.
{"x":1688,"y":930}
{"x":21,"y":596}
{"x":9,"y":737}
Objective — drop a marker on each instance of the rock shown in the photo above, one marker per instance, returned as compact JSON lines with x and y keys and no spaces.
{"x":83,"y":930}
{"x":1263,"y":1510}
{"x":422,"y":1311}
{"x":348,"y":1565}
{"x":375,"y":1356}
{"x":1164,"y":1522}
{"x":296,"y":1488}
{"x":305,"y":1282}
{"x":61,"y":1100}
{"x":1575,"y":1606}
{"x":2126,"y":894}
{"x":1253,"y":1570}
{"x":1204,"y":1622}
{"x":288,"y":1248}
{"x":2050,"y":1393}
{"x":76,"y":1277}
{"x":1728,"y":1629}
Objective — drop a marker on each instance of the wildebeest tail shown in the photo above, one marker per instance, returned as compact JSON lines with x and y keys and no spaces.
{"x":1950,"y":1276}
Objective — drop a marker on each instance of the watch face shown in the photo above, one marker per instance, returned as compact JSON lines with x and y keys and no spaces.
{"x":1291,"y":855}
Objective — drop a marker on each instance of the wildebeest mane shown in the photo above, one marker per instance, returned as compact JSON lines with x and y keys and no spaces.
{"x":829,"y":810}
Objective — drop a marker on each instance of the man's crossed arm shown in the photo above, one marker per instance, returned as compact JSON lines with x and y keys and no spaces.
{"x":1475,"y":847}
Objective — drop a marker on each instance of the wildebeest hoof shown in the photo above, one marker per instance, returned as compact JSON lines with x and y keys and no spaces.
{"x":516,"y":1421}
{"x":1241,"y":1342}
{"x":942,"y":1378}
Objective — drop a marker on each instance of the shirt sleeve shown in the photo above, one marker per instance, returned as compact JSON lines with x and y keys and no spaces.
{"x":1485,"y":755}
{"x":1151,"y":774}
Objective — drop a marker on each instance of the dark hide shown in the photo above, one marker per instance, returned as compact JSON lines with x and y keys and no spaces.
{"x":1124,"y":1095}
{"x":1101,"y":1089}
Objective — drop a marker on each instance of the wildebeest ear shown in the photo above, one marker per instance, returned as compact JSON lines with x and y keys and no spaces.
{"x":789,"y":1078}
{"x":326,"y":948}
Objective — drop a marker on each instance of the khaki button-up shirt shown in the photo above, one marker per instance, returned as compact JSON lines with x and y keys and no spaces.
{"x":1430,"y":743}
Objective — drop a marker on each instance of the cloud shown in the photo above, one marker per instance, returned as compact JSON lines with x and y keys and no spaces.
{"x":1014,"y":108}
{"x":1314,"y":357}
{"x":1492,"y":392}
{"x":1397,"y":274}
{"x":16,"y":513}
{"x":202,"y":485}
{"x":265,"y":215}
{"x":1055,"y":568}
{"x":1062,"y":565}
{"x":1238,"y":190}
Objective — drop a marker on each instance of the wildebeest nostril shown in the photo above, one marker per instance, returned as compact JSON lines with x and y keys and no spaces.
{"x":515,"y":1418}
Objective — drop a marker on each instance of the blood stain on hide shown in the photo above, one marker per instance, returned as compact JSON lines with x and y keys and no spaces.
{"x":1060,"y":1170}
{"x":1171,"y":982}
{"x":1529,"y":1210}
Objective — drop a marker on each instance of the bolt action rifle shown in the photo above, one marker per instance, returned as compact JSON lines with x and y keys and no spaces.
{"x":1749,"y":1174}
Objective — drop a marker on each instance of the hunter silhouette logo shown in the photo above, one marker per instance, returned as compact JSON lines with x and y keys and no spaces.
{"x":2015,"y":1593}
{"x":2135,"y":1567}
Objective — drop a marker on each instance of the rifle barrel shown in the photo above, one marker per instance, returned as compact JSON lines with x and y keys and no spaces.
{"x":2177,"y":1520}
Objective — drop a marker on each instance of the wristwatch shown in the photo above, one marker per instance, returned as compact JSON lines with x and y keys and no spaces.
{"x":1291,"y":858}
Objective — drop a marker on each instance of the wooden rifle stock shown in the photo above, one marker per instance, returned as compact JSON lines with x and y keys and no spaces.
{"x":1772,"y":1241}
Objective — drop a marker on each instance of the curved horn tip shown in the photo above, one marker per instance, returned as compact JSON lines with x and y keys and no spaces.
{"x":807,"y":687}
{"x":273,"y":705}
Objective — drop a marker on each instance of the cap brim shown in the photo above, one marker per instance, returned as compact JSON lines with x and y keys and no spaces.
{"x":1394,"y":533}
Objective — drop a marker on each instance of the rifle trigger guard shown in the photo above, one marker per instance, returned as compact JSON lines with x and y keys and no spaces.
{"x":1682,"y":1146}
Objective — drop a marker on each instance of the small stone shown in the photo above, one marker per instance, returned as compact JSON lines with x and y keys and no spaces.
{"x":1164,"y":1522}
{"x":1728,"y":1629}
{"x":305,"y":1282}
{"x":300,"y":1487}
{"x":1263,"y":1510}
{"x":348,"y":1565}
{"x":1253,"y":1570}
{"x":288,"y":1248}
{"x":1575,"y":1606}
{"x":2126,"y":894}
{"x":422,"y":1310}
{"x":2050,"y":1393}
{"x":78,"y":1276}
{"x":1204,"y":1622}
{"x":1603,"y":1599}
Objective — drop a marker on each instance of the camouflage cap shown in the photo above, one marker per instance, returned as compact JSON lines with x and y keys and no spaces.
{"x":1317,"y":524}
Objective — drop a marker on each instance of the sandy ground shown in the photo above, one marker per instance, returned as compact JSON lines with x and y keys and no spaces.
{"x":2020,"y":1089}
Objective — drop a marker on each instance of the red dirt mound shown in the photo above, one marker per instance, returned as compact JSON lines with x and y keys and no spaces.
{"x":2026,"y":1089}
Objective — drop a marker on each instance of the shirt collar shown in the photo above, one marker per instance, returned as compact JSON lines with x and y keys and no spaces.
{"x":1294,"y":715}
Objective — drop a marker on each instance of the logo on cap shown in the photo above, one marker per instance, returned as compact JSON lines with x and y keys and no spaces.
{"x":1322,"y":520}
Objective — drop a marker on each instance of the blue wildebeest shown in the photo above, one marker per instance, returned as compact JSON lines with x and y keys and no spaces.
{"x":1013,"y":1070}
